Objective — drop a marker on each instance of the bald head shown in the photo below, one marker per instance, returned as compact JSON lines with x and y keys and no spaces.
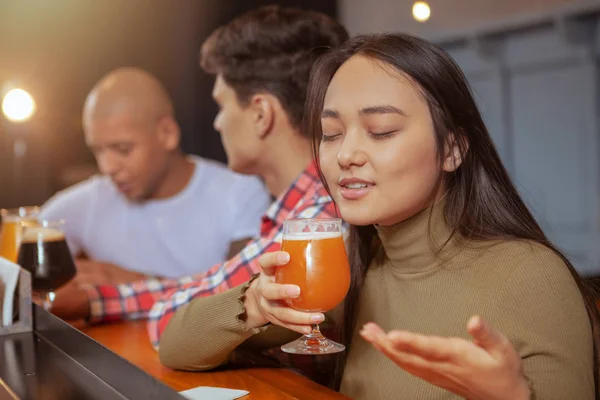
{"x":130,"y":91}
{"x":129,"y":126}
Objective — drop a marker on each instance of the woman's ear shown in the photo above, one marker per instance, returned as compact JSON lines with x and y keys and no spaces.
{"x":453,"y":156}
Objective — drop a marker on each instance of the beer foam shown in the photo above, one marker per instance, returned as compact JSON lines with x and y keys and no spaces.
{"x":38,"y":233}
{"x":311,"y":235}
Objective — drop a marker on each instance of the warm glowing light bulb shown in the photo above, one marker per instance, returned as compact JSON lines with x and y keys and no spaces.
{"x":18,"y":105}
{"x":421,"y":11}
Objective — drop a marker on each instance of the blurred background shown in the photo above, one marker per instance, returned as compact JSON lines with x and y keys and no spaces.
{"x":533,"y":65}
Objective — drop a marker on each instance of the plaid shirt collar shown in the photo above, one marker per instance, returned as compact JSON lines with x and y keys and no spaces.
{"x":279,"y":210}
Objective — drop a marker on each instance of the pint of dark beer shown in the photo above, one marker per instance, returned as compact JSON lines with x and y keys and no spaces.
{"x":45,"y":254}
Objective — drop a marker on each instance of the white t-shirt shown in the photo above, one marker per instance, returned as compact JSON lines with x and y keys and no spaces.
{"x":179,"y":236}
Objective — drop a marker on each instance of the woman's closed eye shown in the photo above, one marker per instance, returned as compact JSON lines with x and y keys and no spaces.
{"x":383,"y":135}
{"x":327,"y":137}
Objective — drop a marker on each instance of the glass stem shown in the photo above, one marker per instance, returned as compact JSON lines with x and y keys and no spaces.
{"x":48,"y":300}
{"x":316,"y":332}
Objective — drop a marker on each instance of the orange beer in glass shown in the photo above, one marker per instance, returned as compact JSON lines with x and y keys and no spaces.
{"x":319,"y":266}
{"x":13,"y":221}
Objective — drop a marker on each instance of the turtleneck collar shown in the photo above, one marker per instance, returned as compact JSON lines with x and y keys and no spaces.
{"x":413,"y":245}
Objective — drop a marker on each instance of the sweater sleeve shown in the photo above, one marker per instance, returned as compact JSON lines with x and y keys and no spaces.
{"x":542,"y":312}
{"x":203,"y":334}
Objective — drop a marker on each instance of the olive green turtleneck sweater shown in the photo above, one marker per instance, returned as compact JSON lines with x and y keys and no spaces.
{"x":522,"y":289}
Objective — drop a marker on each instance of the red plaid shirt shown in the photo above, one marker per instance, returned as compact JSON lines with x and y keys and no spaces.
{"x":158,"y":299}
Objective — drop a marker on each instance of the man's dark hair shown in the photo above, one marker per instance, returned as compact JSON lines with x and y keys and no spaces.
{"x":271,"y":49}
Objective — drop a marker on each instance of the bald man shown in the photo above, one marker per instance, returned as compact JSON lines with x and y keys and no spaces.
{"x":154,"y":211}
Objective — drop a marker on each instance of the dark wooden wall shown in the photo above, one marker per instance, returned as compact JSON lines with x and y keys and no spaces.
{"x":58,"y":50}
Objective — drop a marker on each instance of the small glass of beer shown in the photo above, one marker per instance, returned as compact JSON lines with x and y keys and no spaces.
{"x":45,"y":254}
{"x":319,"y":266}
{"x":11,"y":229}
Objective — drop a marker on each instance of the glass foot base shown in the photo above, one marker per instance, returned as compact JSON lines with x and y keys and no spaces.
{"x":312,"y":344}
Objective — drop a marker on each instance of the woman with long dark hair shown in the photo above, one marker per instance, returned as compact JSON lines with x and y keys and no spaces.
{"x":444,"y":254}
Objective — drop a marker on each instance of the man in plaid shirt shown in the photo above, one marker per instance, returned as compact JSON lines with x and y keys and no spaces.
{"x":260,"y":88}
{"x":306,"y":198}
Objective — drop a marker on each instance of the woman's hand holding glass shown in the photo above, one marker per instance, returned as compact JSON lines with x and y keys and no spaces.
{"x":311,"y":277}
{"x":266,"y":300}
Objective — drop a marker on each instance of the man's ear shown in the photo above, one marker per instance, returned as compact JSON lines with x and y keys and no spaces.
{"x":262,"y":106}
{"x":169,"y":133}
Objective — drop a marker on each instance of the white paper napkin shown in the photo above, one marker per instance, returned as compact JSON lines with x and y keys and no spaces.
{"x":9,"y":274}
{"x":213,"y":393}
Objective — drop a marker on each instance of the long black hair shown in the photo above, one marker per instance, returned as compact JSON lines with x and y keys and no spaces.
{"x":481,"y":201}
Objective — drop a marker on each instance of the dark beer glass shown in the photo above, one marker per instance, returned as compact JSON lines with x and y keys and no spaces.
{"x":45,"y":254}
